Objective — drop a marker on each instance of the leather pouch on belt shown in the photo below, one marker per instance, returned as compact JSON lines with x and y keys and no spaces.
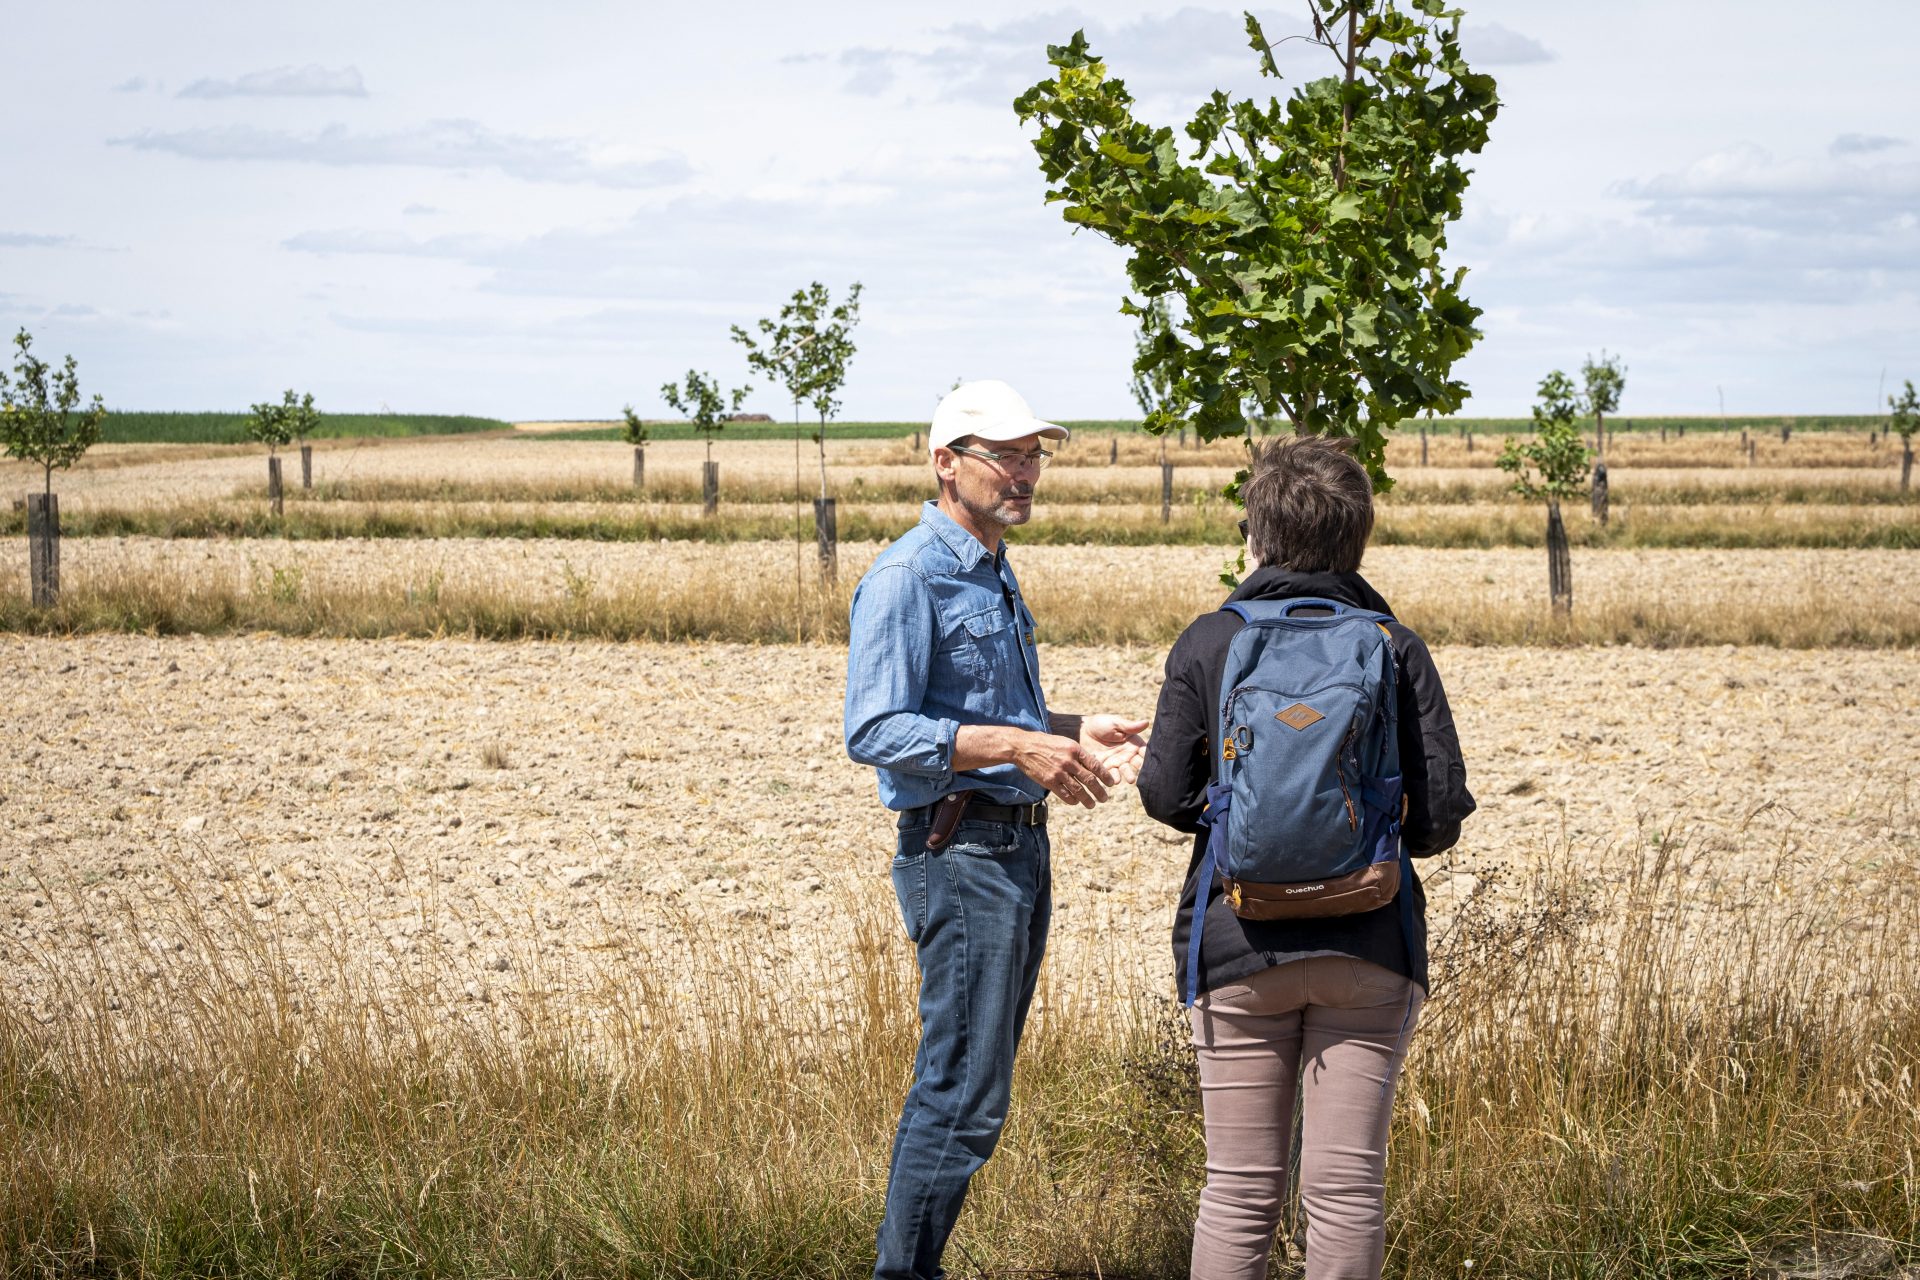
{"x":947,"y":812}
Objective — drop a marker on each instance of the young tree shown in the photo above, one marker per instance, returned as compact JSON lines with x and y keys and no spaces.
{"x":807,"y":351}
{"x":39,"y":424}
{"x":303,"y":420}
{"x":1153,"y":389}
{"x":1550,"y":467}
{"x":272,"y":424}
{"x":1905,"y":419}
{"x":1302,"y":238}
{"x":1605,"y":380}
{"x":634,"y":432}
{"x":700,"y":398}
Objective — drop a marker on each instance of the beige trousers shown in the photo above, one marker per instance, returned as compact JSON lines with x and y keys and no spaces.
{"x":1345,"y":1024}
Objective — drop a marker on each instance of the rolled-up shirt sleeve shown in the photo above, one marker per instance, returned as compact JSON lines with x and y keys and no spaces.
{"x":894,"y":634}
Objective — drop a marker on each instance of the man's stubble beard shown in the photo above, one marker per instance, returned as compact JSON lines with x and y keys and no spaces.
{"x":1003,"y":512}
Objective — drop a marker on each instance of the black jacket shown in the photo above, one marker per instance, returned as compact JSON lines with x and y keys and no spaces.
{"x":1179,"y":765}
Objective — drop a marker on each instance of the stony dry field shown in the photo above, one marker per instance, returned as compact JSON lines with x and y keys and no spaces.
{"x":491,"y":809}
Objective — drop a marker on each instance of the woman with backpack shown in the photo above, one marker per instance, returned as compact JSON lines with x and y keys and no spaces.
{"x":1304,"y":738}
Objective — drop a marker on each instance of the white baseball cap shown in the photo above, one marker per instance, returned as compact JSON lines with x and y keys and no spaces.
{"x":986,"y":410}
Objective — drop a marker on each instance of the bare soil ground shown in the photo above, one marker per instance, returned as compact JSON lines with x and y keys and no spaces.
{"x":492,"y":807}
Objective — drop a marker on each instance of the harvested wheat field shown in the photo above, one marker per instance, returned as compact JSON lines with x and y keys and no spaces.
{"x":1832,"y":466}
{"x":492,"y":805}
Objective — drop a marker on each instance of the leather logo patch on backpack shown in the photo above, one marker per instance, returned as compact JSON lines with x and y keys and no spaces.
{"x":1298,"y":716}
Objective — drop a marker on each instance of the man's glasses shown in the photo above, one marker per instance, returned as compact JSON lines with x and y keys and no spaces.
{"x":1036,"y":458}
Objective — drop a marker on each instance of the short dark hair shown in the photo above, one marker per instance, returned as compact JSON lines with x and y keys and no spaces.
{"x":1309,"y":505}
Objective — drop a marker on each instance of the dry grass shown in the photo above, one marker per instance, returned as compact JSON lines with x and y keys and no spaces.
{"x":768,"y":592}
{"x":1059,"y":522}
{"x":1123,"y":486}
{"x":1609,"y":1083}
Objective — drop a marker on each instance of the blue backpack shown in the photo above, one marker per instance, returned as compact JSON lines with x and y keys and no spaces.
{"x":1306,"y":804}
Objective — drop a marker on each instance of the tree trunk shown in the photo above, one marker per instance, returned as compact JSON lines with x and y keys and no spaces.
{"x":1600,"y":493}
{"x":1559,"y":563}
{"x":1423,"y":444}
{"x":916,"y":442}
{"x":43,"y":549}
{"x":826,"y":533}
{"x":1469,"y":442}
{"x":823,"y":457}
{"x":1166,"y":492}
{"x":1600,"y":433}
{"x":710,"y":486}
{"x":275,"y":499}
{"x":306,"y":466}
{"x":1113,"y":450}
{"x":1785,"y":432}
{"x":1753,"y":452}
{"x":1183,"y":437}
{"x":1906,"y":462}
{"x":639,"y":466}
{"x":1663,"y":433}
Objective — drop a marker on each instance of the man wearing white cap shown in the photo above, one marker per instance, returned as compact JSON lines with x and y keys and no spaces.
{"x":944,"y":700}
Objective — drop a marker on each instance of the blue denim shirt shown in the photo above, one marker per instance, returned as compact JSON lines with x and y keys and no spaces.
{"x":940,"y":638}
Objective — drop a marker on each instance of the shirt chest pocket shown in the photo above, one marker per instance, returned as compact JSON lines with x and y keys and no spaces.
{"x":988,"y":649}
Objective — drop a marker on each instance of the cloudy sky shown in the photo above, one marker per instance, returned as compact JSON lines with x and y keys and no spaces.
{"x":548,"y":210}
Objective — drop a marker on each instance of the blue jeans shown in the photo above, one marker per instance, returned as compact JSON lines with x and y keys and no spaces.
{"x":977,"y":912}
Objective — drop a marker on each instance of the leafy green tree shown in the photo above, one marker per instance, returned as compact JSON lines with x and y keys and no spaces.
{"x":807,"y":350}
{"x":38,"y":418}
{"x":273,"y":424}
{"x":1152,"y":387}
{"x":1550,"y":467}
{"x":698,"y":396}
{"x":1905,"y":419}
{"x":1302,"y":238}
{"x":632,"y":429}
{"x":634,"y":432}
{"x":1606,"y":378}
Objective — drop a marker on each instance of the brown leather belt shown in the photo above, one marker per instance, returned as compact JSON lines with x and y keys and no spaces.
{"x":946,"y":813}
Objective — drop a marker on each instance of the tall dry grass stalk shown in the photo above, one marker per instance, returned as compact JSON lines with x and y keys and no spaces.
{"x":1090,"y":595}
{"x":1118,"y":486}
{"x":1611,"y":1081}
{"x":1061,"y":521}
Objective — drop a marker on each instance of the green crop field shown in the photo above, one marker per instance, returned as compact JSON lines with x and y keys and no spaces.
{"x":231,"y":428}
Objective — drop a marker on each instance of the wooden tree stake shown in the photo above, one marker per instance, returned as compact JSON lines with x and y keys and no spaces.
{"x":710,"y":486}
{"x":826,"y":533}
{"x":1600,"y":493}
{"x":43,"y":548}
{"x":639,"y":468}
{"x":1559,"y":563}
{"x":1166,"y":492}
{"x":274,"y":498}
{"x":306,"y":466}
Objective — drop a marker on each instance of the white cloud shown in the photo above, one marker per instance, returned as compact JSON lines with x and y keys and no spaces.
{"x":1496,"y":46}
{"x":1187,"y":53}
{"x":439,"y":144}
{"x":420,"y":210}
{"x":29,"y":240}
{"x":136,"y":84}
{"x":1855,"y":144}
{"x":283,"y":82}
